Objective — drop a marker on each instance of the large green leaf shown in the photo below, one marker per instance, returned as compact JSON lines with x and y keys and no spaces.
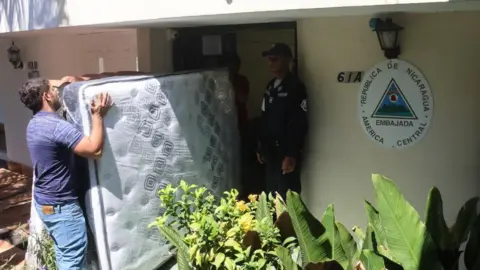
{"x":364,"y":240}
{"x":348,"y":244}
{"x":263,"y":209}
{"x":465,"y":219}
{"x":448,"y":251}
{"x":313,"y":241}
{"x":338,"y":253}
{"x":375,"y":239}
{"x":360,"y":235}
{"x":175,"y":239}
{"x":435,"y":221}
{"x":286,"y":259}
{"x":280,"y":205}
{"x":368,"y":242}
{"x":377,"y":232}
{"x":371,"y":261}
{"x":407,"y":237}
{"x":472,"y":250}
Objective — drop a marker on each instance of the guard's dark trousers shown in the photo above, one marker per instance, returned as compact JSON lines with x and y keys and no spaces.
{"x":276,"y":181}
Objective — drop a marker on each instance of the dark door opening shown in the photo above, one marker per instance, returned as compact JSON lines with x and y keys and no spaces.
{"x":192,"y":49}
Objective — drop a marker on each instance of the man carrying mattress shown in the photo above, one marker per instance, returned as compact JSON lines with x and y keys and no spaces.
{"x":52,"y":143}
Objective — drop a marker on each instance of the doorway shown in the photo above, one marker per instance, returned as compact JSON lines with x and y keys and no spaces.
{"x":209,"y":47}
{"x":212,"y":47}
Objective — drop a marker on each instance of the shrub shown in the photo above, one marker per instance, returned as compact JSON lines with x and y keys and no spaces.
{"x":220,"y":233}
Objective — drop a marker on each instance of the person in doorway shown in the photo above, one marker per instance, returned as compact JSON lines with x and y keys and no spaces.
{"x":52,"y":143}
{"x":241,"y":87}
{"x":283,"y":125}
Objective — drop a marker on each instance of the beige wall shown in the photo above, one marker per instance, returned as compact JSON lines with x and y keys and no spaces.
{"x":250,"y":45}
{"x":161,"y":54}
{"x":154,"y":50}
{"x":57,"y":56}
{"x":341,"y":157}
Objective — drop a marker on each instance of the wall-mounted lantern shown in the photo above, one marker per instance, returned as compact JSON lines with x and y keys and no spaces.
{"x":388,"y":36}
{"x":14,"y":56}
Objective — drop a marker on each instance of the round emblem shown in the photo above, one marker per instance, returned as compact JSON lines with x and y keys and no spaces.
{"x":395,"y":104}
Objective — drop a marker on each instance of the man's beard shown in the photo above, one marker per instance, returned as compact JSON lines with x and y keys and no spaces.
{"x":57,"y":106}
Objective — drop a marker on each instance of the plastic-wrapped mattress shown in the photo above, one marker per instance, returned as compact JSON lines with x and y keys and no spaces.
{"x":159,"y":131}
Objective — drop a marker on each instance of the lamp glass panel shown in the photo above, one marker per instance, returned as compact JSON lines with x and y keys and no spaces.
{"x":388,"y":39}
{"x":13,"y":56}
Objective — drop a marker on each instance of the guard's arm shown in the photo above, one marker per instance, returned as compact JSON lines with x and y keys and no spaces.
{"x":297,"y":125}
{"x":259,"y":127}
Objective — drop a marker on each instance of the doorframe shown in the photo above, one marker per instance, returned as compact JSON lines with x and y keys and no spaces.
{"x":220,"y":29}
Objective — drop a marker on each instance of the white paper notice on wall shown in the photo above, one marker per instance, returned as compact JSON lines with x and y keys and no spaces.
{"x":395,"y":104}
{"x":212,"y":45}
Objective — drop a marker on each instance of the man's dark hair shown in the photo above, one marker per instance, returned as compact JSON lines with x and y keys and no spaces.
{"x":31,"y":93}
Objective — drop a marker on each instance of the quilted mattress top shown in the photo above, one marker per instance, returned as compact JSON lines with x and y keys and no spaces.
{"x":161,"y":129}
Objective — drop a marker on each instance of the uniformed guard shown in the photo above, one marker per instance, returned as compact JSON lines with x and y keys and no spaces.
{"x":283,"y":124}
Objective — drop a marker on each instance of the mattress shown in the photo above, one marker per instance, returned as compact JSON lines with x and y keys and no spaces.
{"x":161,"y":129}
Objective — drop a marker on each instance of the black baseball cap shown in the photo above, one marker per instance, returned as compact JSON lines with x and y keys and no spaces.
{"x":278,"y":49}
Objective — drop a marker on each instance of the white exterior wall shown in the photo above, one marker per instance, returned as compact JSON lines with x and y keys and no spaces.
{"x":341,"y":158}
{"x":57,"y":56}
{"x":24,"y":15}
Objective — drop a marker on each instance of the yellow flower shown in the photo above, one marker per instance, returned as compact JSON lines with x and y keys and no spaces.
{"x":246,"y":222}
{"x":252,"y":198}
{"x":241,"y":206}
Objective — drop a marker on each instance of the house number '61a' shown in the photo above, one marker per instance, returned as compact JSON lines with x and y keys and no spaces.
{"x":350,"y":76}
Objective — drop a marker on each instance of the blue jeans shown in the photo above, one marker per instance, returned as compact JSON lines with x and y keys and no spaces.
{"x":66,"y":225}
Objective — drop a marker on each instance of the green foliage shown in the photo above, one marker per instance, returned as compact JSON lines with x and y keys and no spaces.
{"x":396,"y":237}
{"x":339,"y":253}
{"x":221,"y":233}
{"x":448,"y":240}
{"x":370,"y":260}
{"x":472,"y":250}
{"x":314,"y":244}
{"x":230,"y":234}
{"x":405,"y":235}
{"x":348,"y":244}
{"x":47,"y":252}
{"x":44,"y":251}
{"x":286,"y":259}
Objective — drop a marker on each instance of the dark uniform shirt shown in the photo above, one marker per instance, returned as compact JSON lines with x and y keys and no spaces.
{"x":284,"y":116}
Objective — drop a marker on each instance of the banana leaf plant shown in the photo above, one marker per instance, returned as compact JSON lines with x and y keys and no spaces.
{"x":325,"y":245}
{"x":449,"y":240}
{"x":472,"y":250}
{"x":400,"y":234}
{"x":396,"y":237}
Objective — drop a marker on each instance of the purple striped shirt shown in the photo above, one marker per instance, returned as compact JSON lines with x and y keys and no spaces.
{"x":51,"y":140}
